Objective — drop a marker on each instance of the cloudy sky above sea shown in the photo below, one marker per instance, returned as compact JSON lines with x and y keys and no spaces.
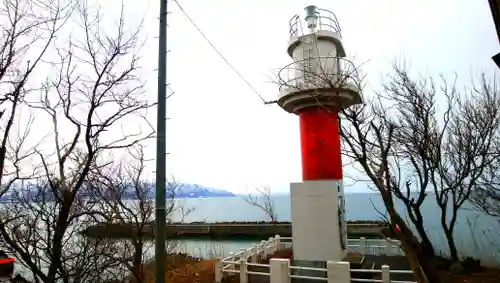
{"x":221,"y":135}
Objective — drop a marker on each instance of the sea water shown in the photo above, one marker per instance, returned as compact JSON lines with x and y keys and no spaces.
{"x":476,"y":234}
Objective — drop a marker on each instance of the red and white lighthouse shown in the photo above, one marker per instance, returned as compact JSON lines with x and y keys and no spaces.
{"x":316,"y":86}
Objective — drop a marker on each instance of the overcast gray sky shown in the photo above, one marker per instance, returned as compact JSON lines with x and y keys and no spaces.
{"x":220,"y":133}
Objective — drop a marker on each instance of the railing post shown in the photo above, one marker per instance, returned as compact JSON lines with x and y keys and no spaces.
{"x":386,"y":274}
{"x":388,"y":247}
{"x":277,"y":243}
{"x":263,"y":248}
{"x":280,"y":270}
{"x":244,"y":254}
{"x":362,"y":245}
{"x":269,"y":246}
{"x":255,"y":253}
{"x":233,"y":259}
{"x":243,"y":272}
{"x":338,"y":272}
{"x":400,"y":248}
{"x":218,"y":271}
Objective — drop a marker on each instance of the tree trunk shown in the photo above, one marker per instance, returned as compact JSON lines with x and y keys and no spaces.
{"x":420,"y":263}
{"x":427,"y":247}
{"x":57,"y":241}
{"x":137,"y":262}
{"x":448,"y":232}
{"x":451,"y":245}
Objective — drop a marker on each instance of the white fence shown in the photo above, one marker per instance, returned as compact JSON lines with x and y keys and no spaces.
{"x":365,"y":246}
{"x":280,"y":271}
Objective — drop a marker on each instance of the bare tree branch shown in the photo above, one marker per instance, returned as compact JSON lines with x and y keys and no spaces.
{"x":126,"y":197}
{"x":264,"y":201}
{"x":92,"y":89}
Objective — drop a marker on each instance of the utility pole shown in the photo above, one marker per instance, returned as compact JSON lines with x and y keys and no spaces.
{"x":161,"y":148}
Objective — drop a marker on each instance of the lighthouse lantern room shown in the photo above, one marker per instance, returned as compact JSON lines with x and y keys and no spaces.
{"x":318,"y":84}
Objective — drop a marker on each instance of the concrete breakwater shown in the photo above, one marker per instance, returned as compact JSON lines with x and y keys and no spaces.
{"x":219,"y":230}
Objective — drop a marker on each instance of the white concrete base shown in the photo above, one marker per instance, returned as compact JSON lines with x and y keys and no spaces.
{"x":316,"y":233}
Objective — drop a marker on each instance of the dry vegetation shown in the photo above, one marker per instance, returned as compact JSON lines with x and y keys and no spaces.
{"x":180,"y":268}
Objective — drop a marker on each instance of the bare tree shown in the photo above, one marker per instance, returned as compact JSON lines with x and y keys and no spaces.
{"x":28,"y":30}
{"x":407,"y":150}
{"x":125,"y":193}
{"x":369,"y":141}
{"x":486,"y":193}
{"x":31,"y":215}
{"x":90,"y":91}
{"x":375,"y":159}
{"x":448,"y":156}
{"x":264,"y":201}
{"x":116,"y":187}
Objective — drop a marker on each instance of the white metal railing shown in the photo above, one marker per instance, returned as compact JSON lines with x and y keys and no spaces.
{"x":264,"y":249}
{"x":365,"y":246}
{"x":327,"y":72}
{"x":280,"y":271}
{"x":327,"y":21}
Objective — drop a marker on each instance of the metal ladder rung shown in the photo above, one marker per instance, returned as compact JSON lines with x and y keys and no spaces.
{"x":307,"y":64}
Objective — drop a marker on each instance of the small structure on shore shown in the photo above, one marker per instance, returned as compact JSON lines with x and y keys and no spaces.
{"x":316,"y":86}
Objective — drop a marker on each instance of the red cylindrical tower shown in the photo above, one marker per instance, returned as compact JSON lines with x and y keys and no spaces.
{"x":320,"y":144}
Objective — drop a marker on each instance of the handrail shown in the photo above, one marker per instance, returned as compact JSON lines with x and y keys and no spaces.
{"x":293,"y":74}
{"x":293,"y":23}
{"x":239,"y":263}
{"x":333,"y":19}
{"x":327,"y":20}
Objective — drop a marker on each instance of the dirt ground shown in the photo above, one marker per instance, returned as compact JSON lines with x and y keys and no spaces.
{"x":487,"y":275}
{"x":199,"y":272}
{"x":183,"y":269}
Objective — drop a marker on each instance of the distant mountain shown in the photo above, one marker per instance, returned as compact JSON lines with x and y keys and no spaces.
{"x":197,"y":191}
{"x":37,"y":193}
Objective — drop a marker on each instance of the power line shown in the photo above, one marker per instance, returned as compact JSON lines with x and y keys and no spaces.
{"x":221,"y":55}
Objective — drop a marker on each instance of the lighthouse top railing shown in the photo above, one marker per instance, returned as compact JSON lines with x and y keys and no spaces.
{"x":295,"y":76}
{"x":326,"y":21}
